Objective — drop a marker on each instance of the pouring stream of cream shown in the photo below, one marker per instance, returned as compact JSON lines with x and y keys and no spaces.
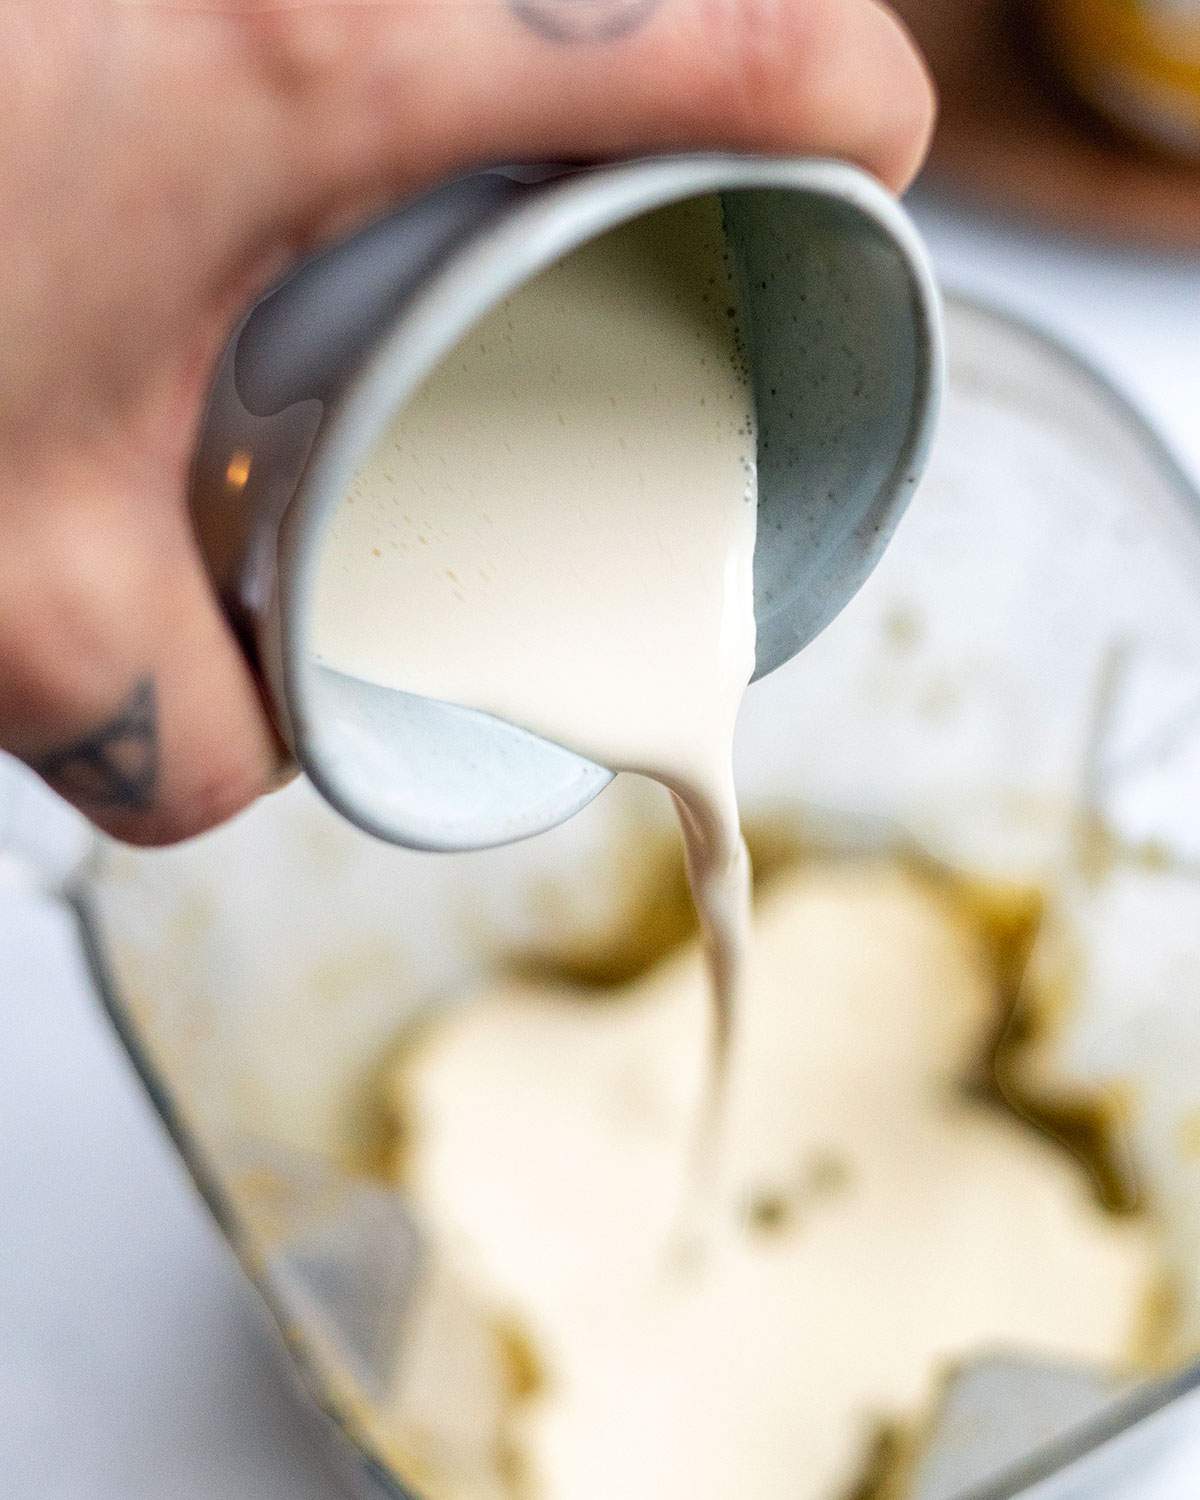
{"x":559,"y":530}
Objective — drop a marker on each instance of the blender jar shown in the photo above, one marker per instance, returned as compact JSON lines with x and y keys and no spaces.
{"x":1014,"y":697}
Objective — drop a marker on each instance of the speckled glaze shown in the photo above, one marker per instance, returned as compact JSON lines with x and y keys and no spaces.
{"x":841,"y":319}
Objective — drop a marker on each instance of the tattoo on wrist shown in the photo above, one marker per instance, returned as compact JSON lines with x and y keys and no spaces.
{"x":116,"y":765}
{"x":583,"y":20}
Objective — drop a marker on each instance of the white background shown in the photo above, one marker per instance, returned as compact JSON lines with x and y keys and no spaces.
{"x":131,"y":1366}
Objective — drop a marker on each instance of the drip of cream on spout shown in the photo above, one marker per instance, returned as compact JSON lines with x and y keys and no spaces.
{"x":559,"y":530}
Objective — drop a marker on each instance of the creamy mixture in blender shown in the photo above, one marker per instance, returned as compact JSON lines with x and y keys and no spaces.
{"x":880,"y":1222}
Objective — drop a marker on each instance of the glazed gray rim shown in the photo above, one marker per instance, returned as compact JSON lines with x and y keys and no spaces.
{"x":532,"y":237}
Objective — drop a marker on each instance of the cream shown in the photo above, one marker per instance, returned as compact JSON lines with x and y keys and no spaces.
{"x":559,"y":529}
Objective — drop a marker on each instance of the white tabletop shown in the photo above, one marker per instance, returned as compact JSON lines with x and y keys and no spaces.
{"x":131,"y":1367}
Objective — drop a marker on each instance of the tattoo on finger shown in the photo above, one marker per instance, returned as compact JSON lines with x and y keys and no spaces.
{"x":115,"y":765}
{"x":583,"y":20}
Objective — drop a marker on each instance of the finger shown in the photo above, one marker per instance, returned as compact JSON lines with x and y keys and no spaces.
{"x":120,"y":682}
{"x":371,"y":98}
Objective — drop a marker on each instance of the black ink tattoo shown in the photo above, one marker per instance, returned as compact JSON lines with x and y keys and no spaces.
{"x":583,"y":20}
{"x":117,"y":764}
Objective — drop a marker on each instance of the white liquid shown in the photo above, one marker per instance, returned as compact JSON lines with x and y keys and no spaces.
{"x":559,"y":529}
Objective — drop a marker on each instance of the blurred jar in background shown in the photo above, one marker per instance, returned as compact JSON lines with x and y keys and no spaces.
{"x":1135,"y":61}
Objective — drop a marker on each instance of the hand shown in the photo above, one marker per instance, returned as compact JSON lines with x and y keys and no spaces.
{"x":163,"y":160}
